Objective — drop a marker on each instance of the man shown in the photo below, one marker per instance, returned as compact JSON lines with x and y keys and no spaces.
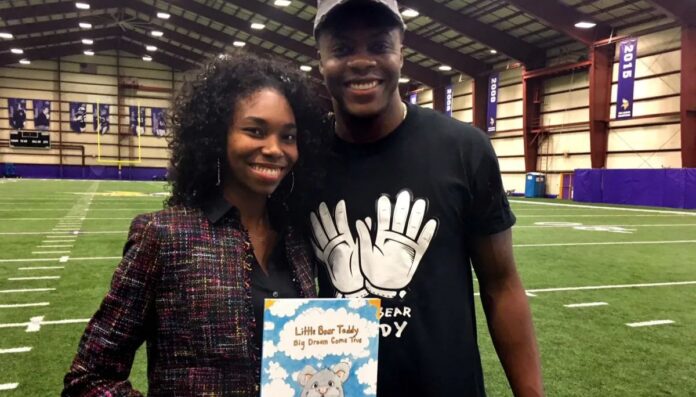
{"x":410,"y":199}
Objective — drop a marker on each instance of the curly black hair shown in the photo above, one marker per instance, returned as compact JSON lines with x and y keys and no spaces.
{"x":203,"y":110}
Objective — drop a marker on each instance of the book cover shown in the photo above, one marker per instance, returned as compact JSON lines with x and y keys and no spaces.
{"x":320,"y":348}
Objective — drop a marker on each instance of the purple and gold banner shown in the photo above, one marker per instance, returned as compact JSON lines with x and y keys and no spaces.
{"x":449,"y":98}
{"x":628,"y":51}
{"x":492,"y":112}
{"x":42,"y":114}
{"x":159,"y":122}
{"x":17,"y":112}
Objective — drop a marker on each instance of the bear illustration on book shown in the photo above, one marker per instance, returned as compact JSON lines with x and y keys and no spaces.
{"x":324,"y":383}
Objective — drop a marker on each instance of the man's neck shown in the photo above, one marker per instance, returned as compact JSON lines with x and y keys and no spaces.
{"x":367,"y":130}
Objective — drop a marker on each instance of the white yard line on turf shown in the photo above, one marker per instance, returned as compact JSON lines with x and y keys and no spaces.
{"x":17,"y":305}
{"x":50,"y":219}
{"x":598,"y":207}
{"x":63,"y":234}
{"x":33,"y":278}
{"x":604,"y":243}
{"x":54,"y":246}
{"x":602,"y":287}
{"x":41,"y":268}
{"x":625,"y":225}
{"x":15,"y":350}
{"x":17,"y":291}
{"x":94,"y":258}
{"x":595,"y":216}
{"x":8,"y":386}
{"x":589,"y":304}
{"x":35,"y":323}
{"x":650,"y":323}
{"x":50,"y":252}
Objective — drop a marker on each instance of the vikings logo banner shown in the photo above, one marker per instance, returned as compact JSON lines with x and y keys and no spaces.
{"x":17,"y":111}
{"x":159,"y":122}
{"x":628,"y":50}
{"x":492,"y":112}
{"x":78,"y":116}
{"x":42,"y":114}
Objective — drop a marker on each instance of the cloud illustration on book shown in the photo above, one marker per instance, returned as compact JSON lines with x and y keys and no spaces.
{"x":324,"y":383}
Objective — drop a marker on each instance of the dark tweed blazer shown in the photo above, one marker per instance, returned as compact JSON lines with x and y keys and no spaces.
{"x":183,"y":286}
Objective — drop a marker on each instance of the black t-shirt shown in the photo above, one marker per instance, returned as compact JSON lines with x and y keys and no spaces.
{"x":395,"y":219}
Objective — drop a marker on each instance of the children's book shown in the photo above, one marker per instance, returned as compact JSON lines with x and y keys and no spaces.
{"x":320,"y":348}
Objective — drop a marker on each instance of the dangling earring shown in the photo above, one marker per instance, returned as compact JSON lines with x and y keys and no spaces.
{"x":218,"y":172}
{"x":292,"y":184}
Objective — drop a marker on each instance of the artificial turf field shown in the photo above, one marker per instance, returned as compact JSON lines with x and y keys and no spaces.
{"x":633,"y":264}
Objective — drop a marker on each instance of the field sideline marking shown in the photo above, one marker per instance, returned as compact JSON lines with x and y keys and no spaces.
{"x":8,"y":386}
{"x":604,"y":243}
{"x":15,"y":350}
{"x":50,"y":252}
{"x":618,"y":286}
{"x":33,"y":278}
{"x":604,"y":208}
{"x":589,"y":304}
{"x":54,"y":246}
{"x":50,"y":219}
{"x":63,"y":234}
{"x":12,"y":291}
{"x":650,"y":323}
{"x":24,"y":305}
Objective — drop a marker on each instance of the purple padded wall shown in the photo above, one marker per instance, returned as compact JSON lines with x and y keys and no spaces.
{"x":49,"y":171}
{"x":674,"y":188}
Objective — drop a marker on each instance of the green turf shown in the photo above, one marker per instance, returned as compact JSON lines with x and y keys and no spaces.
{"x":585,"y":351}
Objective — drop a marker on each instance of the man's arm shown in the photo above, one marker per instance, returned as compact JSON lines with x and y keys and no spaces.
{"x":507,"y":312}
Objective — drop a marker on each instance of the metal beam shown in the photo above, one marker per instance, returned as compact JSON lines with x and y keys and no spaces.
{"x":531,"y":120}
{"x":688,"y":96}
{"x":600,"y":102}
{"x":175,"y":63}
{"x":563,"y":18}
{"x":483,"y":33}
{"x":61,"y":50}
{"x":63,"y":38}
{"x":51,"y":26}
{"x":39,"y":10}
{"x":683,"y":11}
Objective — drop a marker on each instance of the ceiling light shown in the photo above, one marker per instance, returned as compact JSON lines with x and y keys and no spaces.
{"x":82,"y":6}
{"x":163,"y":15}
{"x":150,"y":48}
{"x":17,"y":51}
{"x":306,"y":68}
{"x":157,"y":33}
{"x":6,"y":35}
{"x":85,"y":25}
{"x":403,"y":80}
{"x":147,"y":58}
{"x":89,"y":52}
{"x":24,"y":61}
{"x":239,"y":44}
{"x":493,"y":51}
{"x":445,"y":68}
{"x":282,"y":3}
{"x":257,"y":26}
{"x":87,"y":41}
{"x":410,"y":13}
{"x":585,"y":25}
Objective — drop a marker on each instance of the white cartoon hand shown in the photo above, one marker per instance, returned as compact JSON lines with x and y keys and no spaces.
{"x":335,"y":247}
{"x":389,"y":264}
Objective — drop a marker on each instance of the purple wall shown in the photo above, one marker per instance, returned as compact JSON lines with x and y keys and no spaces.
{"x":50,"y":171}
{"x":674,"y":188}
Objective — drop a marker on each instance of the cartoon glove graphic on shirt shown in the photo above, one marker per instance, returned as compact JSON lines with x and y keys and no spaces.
{"x":334,"y":246}
{"x":390,"y":262}
{"x":384,"y":266}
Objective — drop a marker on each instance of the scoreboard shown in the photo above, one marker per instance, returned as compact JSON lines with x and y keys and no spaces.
{"x":30,"y":139}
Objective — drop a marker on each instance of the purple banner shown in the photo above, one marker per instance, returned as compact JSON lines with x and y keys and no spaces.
{"x":100,"y":120}
{"x":17,"y":112}
{"x":78,"y":116}
{"x":628,"y":51}
{"x":159,"y":123}
{"x":42,"y":114}
{"x":137,"y":124}
{"x":413,"y":98}
{"x":492,"y":112}
{"x":449,"y":97}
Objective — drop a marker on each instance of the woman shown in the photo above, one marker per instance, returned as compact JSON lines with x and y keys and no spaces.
{"x":193,"y":276}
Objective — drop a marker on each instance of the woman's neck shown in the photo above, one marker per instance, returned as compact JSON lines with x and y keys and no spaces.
{"x":252,"y":206}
